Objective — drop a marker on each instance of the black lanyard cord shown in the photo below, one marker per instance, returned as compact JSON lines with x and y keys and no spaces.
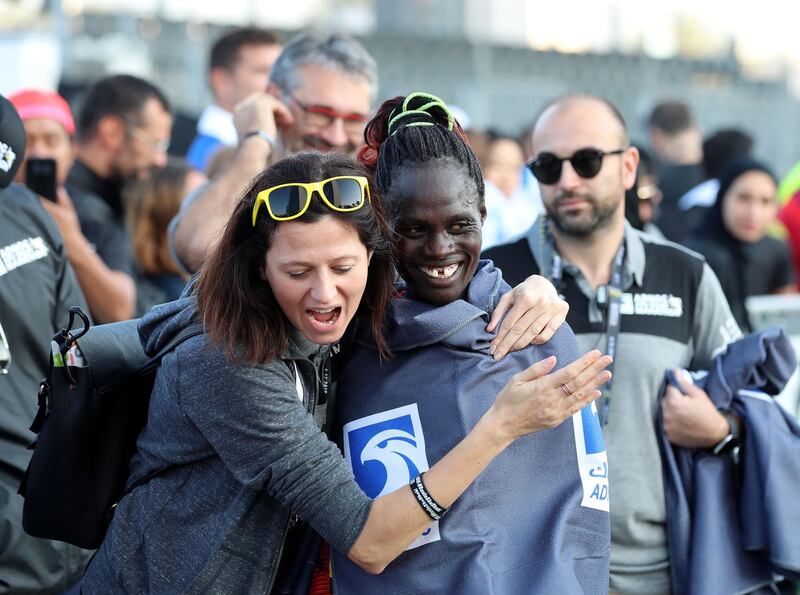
{"x":611,"y":296}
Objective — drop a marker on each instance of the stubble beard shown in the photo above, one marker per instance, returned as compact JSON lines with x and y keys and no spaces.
{"x":597,"y":217}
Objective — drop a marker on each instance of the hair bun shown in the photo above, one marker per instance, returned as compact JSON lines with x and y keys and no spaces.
{"x":420,"y":109}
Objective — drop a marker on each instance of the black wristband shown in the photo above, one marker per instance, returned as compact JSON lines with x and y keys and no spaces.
{"x":431,"y":507}
{"x":734,"y":425}
{"x":734,"y":437}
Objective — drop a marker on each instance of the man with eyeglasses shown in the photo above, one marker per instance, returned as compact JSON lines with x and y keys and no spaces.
{"x":319,"y":97}
{"x":37,"y":286}
{"x":651,"y":304}
{"x":122,"y":131}
{"x":96,"y":250}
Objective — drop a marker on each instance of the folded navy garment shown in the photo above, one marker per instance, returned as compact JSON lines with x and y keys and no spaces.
{"x":733,"y":523}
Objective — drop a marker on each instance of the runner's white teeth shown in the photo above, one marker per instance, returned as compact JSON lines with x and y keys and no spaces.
{"x":441,"y":272}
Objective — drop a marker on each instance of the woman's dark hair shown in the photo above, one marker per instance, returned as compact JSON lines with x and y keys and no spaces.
{"x":417,"y":128}
{"x":236,"y":303}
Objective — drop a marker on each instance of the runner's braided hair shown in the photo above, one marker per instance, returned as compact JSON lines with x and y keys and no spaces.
{"x":417,"y":128}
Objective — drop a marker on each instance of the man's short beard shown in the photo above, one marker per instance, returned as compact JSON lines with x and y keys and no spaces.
{"x":598,"y":218}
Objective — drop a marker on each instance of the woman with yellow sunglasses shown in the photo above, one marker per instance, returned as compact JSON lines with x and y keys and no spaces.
{"x":234,"y":468}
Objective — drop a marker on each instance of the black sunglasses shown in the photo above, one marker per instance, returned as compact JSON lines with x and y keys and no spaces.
{"x":586,"y":163}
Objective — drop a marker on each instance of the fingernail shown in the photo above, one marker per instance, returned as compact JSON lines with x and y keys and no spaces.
{"x":498,"y":356}
{"x":491,"y":349}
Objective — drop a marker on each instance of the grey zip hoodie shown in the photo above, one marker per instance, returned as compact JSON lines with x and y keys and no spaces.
{"x":239,"y":452}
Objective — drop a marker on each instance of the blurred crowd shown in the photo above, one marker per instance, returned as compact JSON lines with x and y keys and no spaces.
{"x":137,"y":220}
{"x":114,"y":165}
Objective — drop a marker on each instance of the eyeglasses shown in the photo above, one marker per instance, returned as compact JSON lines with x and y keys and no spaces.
{"x":290,"y":201}
{"x":157,"y":146}
{"x":586,"y":163}
{"x":321,"y":116}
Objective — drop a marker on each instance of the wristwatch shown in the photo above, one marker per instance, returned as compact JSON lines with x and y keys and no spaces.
{"x":733,"y":439}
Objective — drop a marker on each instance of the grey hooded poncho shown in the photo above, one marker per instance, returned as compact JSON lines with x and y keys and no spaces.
{"x":536,"y":520}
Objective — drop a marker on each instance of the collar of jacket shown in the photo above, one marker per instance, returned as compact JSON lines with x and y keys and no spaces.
{"x":634,"y":249}
{"x":411,"y":323}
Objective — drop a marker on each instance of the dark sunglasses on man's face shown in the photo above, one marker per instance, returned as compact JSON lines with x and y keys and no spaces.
{"x":586,"y":163}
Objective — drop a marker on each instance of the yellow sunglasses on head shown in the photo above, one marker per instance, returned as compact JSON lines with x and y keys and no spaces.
{"x":290,"y":201}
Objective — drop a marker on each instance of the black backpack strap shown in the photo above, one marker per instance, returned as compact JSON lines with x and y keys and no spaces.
{"x":194,"y":329}
{"x":186,"y":333}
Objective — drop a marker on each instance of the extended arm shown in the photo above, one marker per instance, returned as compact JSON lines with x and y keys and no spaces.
{"x":531,"y":401}
{"x":110,"y":294}
{"x":254,"y":421}
{"x":200,"y":223}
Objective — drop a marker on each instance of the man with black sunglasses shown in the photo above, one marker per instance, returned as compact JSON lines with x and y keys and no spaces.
{"x":650,"y":304}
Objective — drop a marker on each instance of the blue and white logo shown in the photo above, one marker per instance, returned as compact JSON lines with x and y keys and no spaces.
{"x":592,"y":460}
{"x":386,"y":451}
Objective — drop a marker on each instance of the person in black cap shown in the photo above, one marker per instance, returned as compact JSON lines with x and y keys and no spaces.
{"x":37,"y":286}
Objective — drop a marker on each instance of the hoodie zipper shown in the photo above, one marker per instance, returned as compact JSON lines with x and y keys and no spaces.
{"x":293,"y":518}
{"x":291,"y":521}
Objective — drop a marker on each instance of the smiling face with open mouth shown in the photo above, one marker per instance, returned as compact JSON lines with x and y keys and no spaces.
{"x":318,"y":273}
{"x":437,"y":223}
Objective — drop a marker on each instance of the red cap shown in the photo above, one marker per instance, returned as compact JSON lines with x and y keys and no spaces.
{"x":43,"y":104}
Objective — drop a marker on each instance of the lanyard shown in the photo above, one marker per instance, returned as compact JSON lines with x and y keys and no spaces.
{"x":613,"y":324}
{"x":611,"y":296}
